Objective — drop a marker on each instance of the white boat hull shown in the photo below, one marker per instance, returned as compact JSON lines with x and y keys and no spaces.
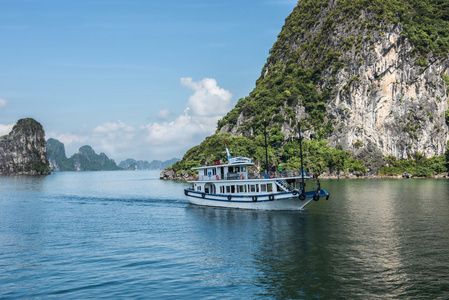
{"x":282,"y":201}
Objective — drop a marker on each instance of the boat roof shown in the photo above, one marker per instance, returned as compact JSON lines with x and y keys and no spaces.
{"x":251,"y":179}
{"x":225,"y":165}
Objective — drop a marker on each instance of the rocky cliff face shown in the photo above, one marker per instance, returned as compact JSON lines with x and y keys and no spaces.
{"x":23,"y":151}
{"x":56,"y":155}
{"x":355,"y":78}
{"x":87,"y":160}
{"x":386,"y":100}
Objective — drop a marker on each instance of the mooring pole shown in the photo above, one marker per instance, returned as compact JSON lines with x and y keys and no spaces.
{"x":266,"y":145}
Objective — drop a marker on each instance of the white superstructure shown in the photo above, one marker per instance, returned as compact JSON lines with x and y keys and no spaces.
{"x":232,"y":185}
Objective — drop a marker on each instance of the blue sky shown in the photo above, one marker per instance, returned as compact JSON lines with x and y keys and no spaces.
{"x":132,"y":78}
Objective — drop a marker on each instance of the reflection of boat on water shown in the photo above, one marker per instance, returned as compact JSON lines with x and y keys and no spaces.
{"x":232,"y":185}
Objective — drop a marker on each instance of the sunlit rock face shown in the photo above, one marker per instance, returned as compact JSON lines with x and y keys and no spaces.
{"x":381,"y":98}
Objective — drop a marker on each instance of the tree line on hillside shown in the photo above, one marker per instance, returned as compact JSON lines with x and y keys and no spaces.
{"x":318,"y":157}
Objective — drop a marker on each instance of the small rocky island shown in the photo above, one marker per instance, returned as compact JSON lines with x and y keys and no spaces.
{"x":23,"y":150}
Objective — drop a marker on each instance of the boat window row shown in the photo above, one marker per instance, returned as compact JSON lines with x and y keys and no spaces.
{"x":246,"y":188}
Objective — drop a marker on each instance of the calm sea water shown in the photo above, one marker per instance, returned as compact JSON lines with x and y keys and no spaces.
{"x":130,"y":235}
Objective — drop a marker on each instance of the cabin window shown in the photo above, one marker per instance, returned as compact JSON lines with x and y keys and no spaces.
{"x":199,"y":188}
{"x":242,"y":188}
{"x":243,"y":169}
{"x":237,"y":169}
{"x":228,"y":189}
{"x":231,"y":169}
{"x":269,"y":187}
{"x":221,"y":189}
{"x":214,"y":171}
{"x":252,"y":188}
{"x":205,"y":172}
{"x":263,"y":187}
{"x":232,"y":189}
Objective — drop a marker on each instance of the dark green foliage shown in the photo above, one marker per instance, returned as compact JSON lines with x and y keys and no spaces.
{"x":358,"y":144}
{"x":41,"y":167}
{"x":447,"y":155}
{"x":318,"y":156}
{"x":418,"y":166}
{"x":212,"y":149}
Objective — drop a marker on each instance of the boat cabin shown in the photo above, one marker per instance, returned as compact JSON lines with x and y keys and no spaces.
{"x":232,"y":178}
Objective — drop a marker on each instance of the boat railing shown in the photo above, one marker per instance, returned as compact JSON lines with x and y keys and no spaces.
{"x":251,"y":175}
{"x":273,"y":174}
{"x":228,"y":176}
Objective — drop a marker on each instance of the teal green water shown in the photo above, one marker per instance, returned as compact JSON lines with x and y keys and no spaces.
{"x":130,"y":235}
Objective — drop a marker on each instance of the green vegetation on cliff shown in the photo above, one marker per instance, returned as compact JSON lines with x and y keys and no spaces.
{"x":293,"y":74}
{"x":300,"y":76}
{"x":317,"y":155}
{"x":418,"y":166}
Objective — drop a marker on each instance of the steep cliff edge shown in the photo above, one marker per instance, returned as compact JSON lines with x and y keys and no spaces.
{"x":354,"y":77}
{"x":23,"y":151}
{"x":368,"y":77}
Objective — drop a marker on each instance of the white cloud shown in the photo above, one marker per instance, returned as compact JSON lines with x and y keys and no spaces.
{"x":69,"y":139}
{"x":111,"y":129}
{"x":180,"y":131}
{"x":5,"y":129}
{"x":3,"y":103}
{"x":163,"y":139}
{"x":208,"y":98}
{"x":164,"y":114}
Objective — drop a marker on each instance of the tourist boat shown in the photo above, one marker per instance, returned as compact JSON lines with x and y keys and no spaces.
{"x":232,"y":185}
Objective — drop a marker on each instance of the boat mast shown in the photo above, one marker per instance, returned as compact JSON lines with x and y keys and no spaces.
{"x":300,"y":154}
{"x":266,"y":146}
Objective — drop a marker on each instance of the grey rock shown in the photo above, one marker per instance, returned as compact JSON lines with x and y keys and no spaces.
{"x":23,"y":151}
{"x":382,"y":97}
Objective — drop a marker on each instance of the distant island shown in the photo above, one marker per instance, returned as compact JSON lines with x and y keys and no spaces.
{"x":85,"y":160}
{"x":24,"y":151}
{"x":132,"y":164}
